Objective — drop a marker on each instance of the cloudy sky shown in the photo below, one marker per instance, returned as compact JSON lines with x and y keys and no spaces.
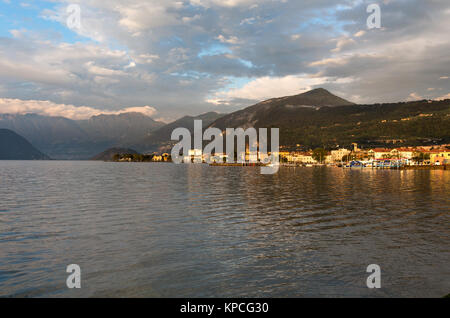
{"x":171,"y":58}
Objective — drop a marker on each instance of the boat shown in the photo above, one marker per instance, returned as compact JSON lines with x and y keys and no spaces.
{"x":356,"y":164}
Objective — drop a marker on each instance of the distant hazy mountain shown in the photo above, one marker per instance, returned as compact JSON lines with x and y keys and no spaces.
{"x":63,"y":138}
{"x":162,"y":136}
{"x":15,"y":147}
{"x":275,"y":111}
{"x":59,"y":137}
{"x":108,"y":155}
{"x":38,"y":128}
{"x":121,"y":129}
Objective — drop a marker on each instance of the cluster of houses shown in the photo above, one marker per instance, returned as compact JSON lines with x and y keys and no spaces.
{"x":165,"y":157}
{"x":196,"y":155}
{"x":436,"y":155}
{"x":409,"y":155}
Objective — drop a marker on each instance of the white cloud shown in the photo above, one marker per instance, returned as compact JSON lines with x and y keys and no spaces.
{"x":229,"y":40}
{"x":226,"y":3}
{"x":166,"y":120}
{"x":146,"y":58}
{"x":47,"y":108}
{"x":143,"y":16}
{"x":272,"y":87}
{"x":103,"y":71}
{"x":330,"y":61}
{"x":444,"y":97}
{"x":414,"y":96}
{"x":342,"y":43}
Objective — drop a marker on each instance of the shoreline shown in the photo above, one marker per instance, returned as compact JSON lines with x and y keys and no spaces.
{"x":286,"y":165}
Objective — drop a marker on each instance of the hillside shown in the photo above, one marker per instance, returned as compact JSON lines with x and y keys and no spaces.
{"x":318,"y":125}
{"x":15,"y":147}
{"x":278,"y":110}
{"x":412,"y":123}
{"x":161,"y":137}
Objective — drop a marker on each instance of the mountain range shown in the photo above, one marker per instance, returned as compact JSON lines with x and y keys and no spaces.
{"x":320,"y":119}
{"x":63,"y":138}
{"x":313,"y":119}
{"x":281,"y":111}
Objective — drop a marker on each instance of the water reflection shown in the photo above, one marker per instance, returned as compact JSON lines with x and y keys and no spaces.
{"x":155,"y":230}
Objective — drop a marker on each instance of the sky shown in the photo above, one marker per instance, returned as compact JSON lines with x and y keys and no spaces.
{"x":169,"y":58}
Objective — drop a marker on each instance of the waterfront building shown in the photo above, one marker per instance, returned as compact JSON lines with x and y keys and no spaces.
{"x":195,"y":155}
{"x":165,"y":157}
{"x":262,"y":156}
{"x":157,"y":158}
{"x":219,"y":157}
{"x":406,"y":153}
{"x":301,"y":158}
{"x":440,"y":157}
{"x":285,"y":156}
{"x":337,"y":155}
{"x":379,"y":153}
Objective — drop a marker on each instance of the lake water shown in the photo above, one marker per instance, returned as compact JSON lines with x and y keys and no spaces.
{"x":163,"y":230}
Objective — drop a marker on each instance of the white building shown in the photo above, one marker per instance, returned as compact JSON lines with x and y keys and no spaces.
{"x":337,"y":155}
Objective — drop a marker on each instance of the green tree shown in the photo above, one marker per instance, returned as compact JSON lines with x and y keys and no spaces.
{"x":420,"y":156}
{"x":319,"y":154}
{"x":348,"y":158}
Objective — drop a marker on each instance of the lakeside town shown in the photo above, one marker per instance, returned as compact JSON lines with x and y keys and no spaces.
{"x":427,"y":156}
{"x":402,"y":157}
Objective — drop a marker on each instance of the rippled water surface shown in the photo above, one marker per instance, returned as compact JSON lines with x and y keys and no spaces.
{"x":162,"y":230}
